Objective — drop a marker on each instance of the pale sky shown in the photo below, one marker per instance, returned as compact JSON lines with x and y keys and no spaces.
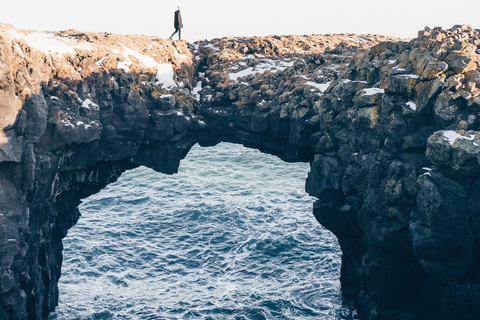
{"x":207,"y":19}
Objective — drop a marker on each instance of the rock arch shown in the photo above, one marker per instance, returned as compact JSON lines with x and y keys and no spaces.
{"x":391,"y":134}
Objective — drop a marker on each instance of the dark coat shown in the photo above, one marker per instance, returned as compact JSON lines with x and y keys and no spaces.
{"x":178,"y":20}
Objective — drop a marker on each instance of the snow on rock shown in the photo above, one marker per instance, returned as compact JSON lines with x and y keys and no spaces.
{"x":451,"y":136}
{"x":196,"y":91}
{"x":124,"y":65}
{"x":244,"y":73}
{"x":164,"y":71}
{"x":88,"y":104}
{"x":320,"y":86}
{"x":372,"y":91}
{"x":410,"y":76}
{"x":49,"y":43}
{"x":398,"y":69}
{"x":165,"y":75}
{"x":348,"y":81}
{"x":261,"y":67}
{"x":412,"y":105}
{"x":132,"y":53}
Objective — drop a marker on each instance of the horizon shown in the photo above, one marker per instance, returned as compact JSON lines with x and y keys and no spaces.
{"x":216,"y":19}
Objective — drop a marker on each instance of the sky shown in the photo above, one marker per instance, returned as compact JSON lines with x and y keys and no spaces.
{"x":207,"y":19}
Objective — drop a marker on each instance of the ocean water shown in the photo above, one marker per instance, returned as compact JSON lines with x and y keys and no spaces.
{"x":231,"y":236}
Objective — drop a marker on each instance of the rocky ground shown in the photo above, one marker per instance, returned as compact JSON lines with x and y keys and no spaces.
{"x":390,"y":127}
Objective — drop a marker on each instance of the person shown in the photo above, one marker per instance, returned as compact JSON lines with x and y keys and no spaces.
{"x":177,"y":23}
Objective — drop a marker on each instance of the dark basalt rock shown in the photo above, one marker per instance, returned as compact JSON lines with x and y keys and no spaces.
{"x":390,"y":128}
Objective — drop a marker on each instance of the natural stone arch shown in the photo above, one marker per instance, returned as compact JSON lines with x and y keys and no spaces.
{"x":409,"y":235}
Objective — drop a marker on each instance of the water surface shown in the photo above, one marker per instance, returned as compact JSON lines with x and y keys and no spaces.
{"x":231,"y":236}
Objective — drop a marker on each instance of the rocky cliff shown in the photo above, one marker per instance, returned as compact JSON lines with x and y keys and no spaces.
{"x":390,"y":127}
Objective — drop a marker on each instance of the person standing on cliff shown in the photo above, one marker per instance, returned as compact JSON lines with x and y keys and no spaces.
{"x":177,"y":23}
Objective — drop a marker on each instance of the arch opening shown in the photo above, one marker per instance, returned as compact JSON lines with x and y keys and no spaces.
{"x":230,"y":236}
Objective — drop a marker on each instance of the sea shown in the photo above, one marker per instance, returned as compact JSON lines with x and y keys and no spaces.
{"x":230,"y":236}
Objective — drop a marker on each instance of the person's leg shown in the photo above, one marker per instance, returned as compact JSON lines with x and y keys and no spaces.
{"x":173,"y":34}
{"x":179,"y":34}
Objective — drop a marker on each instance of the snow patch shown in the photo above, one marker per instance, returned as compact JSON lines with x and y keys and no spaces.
{"x":451,"y":136}
{"x":412,"y":105}
{"x":320,"y":86}
{"x":348,"y":81}
{"x":164,"y":71}
{"x":88,"y":103}
{"x":49,"y":43}
{"x":372,"y":91}
{"x":124,"y":65}
{"x":196,"y":90}
{"x":410,"y":76}
{"x":260,"y":68}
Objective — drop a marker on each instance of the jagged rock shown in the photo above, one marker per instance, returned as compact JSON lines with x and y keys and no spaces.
{"x":379,"y":119}
{"x":442,"y":238}
{"x":454,"y":150}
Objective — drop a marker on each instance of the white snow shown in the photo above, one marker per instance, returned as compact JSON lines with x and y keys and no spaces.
{"x":372,"y":91}
{"x":392,"y":61}
{"x":164,"y":70}
{"x":87,"y":103}
{"x":124,"y":66}
{"x":451,"y":136}
{"x":165,"y":75}
{"x":196,"y":90}
{"x":348,"y":81}
{"x":49,"y":43}
{"x":320,"y":86}
{"x":412,"y":105}
{"x":244,"y":73}
{"x":411,"y":76}
{"x":19,"y":50}
{"x":260,"y":68}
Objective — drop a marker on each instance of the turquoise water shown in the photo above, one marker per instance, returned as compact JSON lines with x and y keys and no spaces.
{"x":231,"y":236}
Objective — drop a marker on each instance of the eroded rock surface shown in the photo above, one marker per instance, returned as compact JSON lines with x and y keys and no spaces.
{"x":390,"y":127}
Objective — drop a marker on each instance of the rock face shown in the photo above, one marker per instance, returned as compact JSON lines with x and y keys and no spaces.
{"x":391,"y":129}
